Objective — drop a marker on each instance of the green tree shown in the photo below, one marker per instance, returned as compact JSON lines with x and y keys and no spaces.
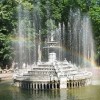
{"x":57,"y":10}
{"x":6,"y":54}
{"x":7,"y":24}
{"x":7,"y":16}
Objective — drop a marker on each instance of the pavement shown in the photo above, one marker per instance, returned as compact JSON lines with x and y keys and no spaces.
{"x":5,"y":76}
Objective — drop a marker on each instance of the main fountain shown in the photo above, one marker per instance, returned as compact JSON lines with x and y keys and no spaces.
{"x":52,"y":74}
{"x":59,"y":69}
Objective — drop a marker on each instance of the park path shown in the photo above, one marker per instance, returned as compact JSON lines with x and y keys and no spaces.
{"x":5,"y":76}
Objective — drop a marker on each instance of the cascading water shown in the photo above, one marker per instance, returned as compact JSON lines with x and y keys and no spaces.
{"x":55,"y":33}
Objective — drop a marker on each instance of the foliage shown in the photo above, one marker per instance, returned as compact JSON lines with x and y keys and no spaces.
{"x":7,"y":16}
{"x":58,"y":10}
{"x":7,"y":24}
{"x":95,"y":17}
{"x":6,"y":54}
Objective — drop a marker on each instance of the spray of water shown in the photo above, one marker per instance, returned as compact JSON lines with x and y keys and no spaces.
{"x":80,"y":38}
{"x":28,"y":34}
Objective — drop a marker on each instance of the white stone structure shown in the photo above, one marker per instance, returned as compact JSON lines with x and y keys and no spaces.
{"x":52,"y":74}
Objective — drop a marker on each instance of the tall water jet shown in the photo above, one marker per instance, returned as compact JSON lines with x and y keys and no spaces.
{"x":88,"y":42}
{"x":80,"y":38}
{"x":37,"y":32}
{"x":28,"y":35}
{"x":75,"y":36}
{"x":21,"y":38}
{"x":24,"y":38}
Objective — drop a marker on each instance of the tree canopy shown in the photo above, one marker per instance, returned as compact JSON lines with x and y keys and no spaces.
{"x":57,"y":10}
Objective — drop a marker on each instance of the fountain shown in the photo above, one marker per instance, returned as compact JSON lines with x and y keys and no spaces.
{"x":80,"y":39}
{"x":56,"y":72}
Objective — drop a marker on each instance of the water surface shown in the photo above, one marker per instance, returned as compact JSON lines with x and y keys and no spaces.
{"x":9,"y":92}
